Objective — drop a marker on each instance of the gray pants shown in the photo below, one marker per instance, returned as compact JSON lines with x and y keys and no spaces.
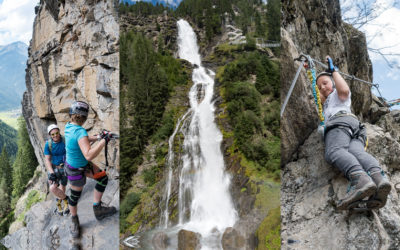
{"x":344,"y":146}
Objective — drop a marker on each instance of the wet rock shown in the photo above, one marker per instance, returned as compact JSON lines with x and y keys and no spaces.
{"x":160,"y":240}
{"x":188,"y":240}
{"x":232,"y":239}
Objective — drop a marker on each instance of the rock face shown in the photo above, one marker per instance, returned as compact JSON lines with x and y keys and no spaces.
{"x":44,"y":230}
{"x":73,"y":55}
{"x":316,"y":29}
{"x":311,"y":187}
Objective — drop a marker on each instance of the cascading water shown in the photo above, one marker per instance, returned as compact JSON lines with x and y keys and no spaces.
{"x":204,"y":202}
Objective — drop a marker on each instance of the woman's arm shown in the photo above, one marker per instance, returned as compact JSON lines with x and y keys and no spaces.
{"x":342,"y":88}
{"x":90,"y":152}
{"x":93,"y":138}
{"x":47,"y":161}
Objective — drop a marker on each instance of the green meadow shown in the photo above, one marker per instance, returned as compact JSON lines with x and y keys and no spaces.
{"x":10,"y":117}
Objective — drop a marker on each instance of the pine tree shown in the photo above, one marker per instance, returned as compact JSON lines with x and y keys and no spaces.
{"x":6,"y":172}
{"x":25,"y":162}
{"x":274,"y":19}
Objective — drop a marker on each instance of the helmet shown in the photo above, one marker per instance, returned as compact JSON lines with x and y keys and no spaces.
{"x":323,"y":73}
{"x":80,"y":108}
{"x":51,"y":127}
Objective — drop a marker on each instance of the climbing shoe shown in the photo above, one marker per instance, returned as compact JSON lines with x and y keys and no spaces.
{"x":101,"y":212}
{"x":383,"y":187}
{"x":360,"y":186}
{"x":58,"y":209}
{"x":66,"y":208}
{"x":74,"y":227}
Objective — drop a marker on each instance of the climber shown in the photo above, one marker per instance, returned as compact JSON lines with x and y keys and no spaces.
{"x":54,"y":152}
{"x":345,"y":138}
{"x":79,"y":166}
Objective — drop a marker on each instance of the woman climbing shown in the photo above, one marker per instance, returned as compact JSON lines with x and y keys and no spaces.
{"x":345,"y":138}
{"x":79,"y":166}
{"x":54,"y":152}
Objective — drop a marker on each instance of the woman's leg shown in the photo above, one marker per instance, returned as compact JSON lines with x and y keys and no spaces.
{"x":100,"y":211}
{"x":337,"y":142}
{"x":371,"y":166}
{"x":59,"y":193}
{"x":73,"y":199}
{"x":101,"y":177}
{"x":367,"y":161}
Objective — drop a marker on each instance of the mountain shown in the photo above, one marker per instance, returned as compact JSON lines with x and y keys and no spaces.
{"x":12,"y":71}
{"x":172,"y":3}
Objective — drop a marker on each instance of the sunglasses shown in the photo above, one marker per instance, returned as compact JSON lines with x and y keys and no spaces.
{"x":55,"y":133}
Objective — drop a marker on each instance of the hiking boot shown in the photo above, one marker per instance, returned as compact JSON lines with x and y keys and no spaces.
{"x":58,"y":209}
{"x":361,"y":186}
{"x":74,"y":227}
{"x":101,"y":212}
{"x":383,"y":187}
{"x":66,"y":208}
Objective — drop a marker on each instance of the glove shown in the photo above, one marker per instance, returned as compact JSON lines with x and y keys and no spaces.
{"x":105,"y":135}
{"x":53,"y":177}
{"x":331,"y":67}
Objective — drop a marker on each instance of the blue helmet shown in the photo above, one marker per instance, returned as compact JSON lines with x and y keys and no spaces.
{"x":80,"y":108}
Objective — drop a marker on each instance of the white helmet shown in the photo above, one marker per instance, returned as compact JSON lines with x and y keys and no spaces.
{"x":51,"y":127}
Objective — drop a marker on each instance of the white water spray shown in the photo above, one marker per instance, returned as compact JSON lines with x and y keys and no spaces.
{"x":204,"y":200}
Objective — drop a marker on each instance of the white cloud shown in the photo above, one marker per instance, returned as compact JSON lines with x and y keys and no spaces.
{"x":384,"y":32}
{"x":16,"y":20}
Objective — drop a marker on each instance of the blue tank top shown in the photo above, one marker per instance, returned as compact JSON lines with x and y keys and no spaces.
{"x":73,"y":133}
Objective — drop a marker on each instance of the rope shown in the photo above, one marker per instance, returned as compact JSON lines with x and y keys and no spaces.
{"x":394,"y":102}
{"x":311,"y":75}
{"x":317,"y":98}
{"x":353,"y":78}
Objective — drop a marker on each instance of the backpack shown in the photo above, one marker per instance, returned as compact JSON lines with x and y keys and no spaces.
{"x":50,"y":142}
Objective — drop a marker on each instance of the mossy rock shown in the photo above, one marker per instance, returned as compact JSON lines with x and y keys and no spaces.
{"x":268,"y":232}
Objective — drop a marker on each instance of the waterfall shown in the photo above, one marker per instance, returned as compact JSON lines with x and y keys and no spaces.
{"x":204,"y":200}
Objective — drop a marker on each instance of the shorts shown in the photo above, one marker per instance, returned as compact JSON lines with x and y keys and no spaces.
{"x":60,"y":175}
{"x":76,"y":176}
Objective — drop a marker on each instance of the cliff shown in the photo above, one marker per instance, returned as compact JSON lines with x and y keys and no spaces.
{"x":73,"y":55}
{"x":311,"y":187}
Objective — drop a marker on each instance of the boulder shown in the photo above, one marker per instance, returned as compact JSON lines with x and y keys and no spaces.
{"x":232,"y":239}
{"x":188,"y":240}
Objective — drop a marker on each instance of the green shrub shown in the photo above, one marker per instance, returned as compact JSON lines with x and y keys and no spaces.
{"x":149,"y":176}
{"x":128,"y":203}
